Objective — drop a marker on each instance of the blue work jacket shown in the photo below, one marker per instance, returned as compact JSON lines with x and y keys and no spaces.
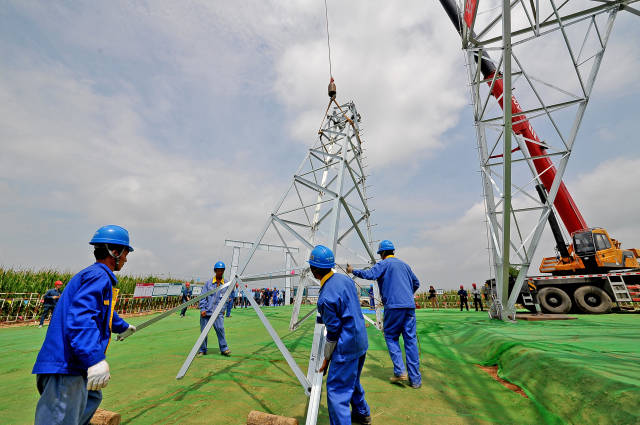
{"x":396,"y":281}
{"x":48,"y":297}
{"x":210,"y":303}
{"x":186,"y":294}
{"x":339,"y":307}
{"x":81,"y":324}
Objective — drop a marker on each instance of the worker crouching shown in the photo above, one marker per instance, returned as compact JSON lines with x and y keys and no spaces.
{"x":71,"y":366}
{"x":346,"y":342}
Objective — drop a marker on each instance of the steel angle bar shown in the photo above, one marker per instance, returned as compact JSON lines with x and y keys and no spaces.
{"x":346,"y":233}
{"x":630,"y":9}
{"x":223,"y":302}
{"x":319,"y":158}
{"x":527,"y":158}
{"x":298,"y":301}
{"x":261,"y":247}
{"x":355,"y":184}
{"x":551,"y":108}
{"x":566,"y":20}
{"x":316,"y":187}
{"x":315,"y":378}
{"x":306,"y":385}
{"x":354,"y":207}
{"x":274,"y":275}
{"x":324,"y":216}
{"x":306,"y":316}
{"x":315,"y":170}
{"x":293,"y":232}
{"x":167,"y":313}
{"x":334,"y":132}
{"x":320,"y":154}
{"x":493,"y":23}
{"x":293,"y":223}
{"x":288,"y":250}
{"x":303,"y":207}
{"x":360,"y":235}
{"x":370,"y":321}
{"x":586,"y":36}
{"x":526,"y":12}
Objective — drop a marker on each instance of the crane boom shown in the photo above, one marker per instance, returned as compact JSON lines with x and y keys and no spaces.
{"x":564,"y":203}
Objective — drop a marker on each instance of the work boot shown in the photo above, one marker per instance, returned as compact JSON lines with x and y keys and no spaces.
{"x":399,"y":379}
{"x":359,"y":419}
{"x":415,"y":386}
{"x":226,"y":353}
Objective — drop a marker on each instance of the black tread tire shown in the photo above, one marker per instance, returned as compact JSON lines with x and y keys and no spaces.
{"x":554,"y":300}
{"x":593,"y":300}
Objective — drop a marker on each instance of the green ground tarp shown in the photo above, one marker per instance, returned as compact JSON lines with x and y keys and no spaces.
{"x":584,"y":371}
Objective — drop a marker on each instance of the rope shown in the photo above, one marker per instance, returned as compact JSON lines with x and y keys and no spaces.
{"x":326,"y":18}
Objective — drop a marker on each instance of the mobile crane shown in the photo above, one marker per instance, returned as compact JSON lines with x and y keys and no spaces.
{"x":591,"y":272}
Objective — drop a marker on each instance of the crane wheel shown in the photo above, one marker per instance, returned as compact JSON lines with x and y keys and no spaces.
{"x":554,"y":300}
{"x":594,"y":300}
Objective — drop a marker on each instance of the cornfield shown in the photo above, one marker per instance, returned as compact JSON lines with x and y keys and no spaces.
{"x":31,"y":281}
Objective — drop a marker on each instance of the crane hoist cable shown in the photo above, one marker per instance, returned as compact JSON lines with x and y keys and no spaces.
{"x":326,"y":19}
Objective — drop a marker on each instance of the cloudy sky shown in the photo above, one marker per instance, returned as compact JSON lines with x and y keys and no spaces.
{"x":184,"y":122}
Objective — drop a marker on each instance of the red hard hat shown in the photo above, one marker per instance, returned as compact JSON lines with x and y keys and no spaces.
{"x":58,"y":283}
{"x":187,"y":283}
{"x":473,"y":284}
{"x":461,"y":286}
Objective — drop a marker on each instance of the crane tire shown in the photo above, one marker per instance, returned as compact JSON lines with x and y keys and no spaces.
{"x":554,"y":300}
{"x":591,"y":299}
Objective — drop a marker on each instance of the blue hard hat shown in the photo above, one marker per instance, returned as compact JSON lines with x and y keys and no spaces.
{"x":386,"y":245}
{"x":322,"y":257}
{"x":219,"y":265}
{"x":112,"y":234}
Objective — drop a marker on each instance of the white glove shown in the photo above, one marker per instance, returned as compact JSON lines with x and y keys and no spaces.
{"x":98,"y":376}
{"x":131,"y":329}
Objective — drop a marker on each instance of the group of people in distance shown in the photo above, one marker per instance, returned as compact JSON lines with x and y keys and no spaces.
{"x":463,"y":296}
{"x":71,"y":367}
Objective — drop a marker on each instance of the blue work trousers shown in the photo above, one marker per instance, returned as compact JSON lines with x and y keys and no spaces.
{"x":45,"y":312}
{"x":65,"y":400}
{"x":344,"y":389}
{"x":372,"y":303}
{"x":229,"y":306}
{"x":403,"y":321}
{"x":218,"y":325}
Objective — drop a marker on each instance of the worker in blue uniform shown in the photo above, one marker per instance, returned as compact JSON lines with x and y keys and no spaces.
{"x":187,"y":293}
{"x":372,"y":301}
{"x":71,"y":367}
{"x":397,"y":283}
{"x":208,"y":305}
{"x":346,"y":341}
{"x":50,"y":300}
{"x":275,"y":297}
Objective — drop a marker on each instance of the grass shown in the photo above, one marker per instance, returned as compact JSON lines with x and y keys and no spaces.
{"x":549,"y":360}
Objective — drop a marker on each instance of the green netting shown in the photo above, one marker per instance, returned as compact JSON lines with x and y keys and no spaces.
{"x":582,"y":371}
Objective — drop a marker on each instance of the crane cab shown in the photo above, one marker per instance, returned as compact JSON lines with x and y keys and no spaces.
{"x":599,"y":252}
{"x":592,"y":251}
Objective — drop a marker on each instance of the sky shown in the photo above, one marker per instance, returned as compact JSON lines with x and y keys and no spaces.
{"x":185,"y":121}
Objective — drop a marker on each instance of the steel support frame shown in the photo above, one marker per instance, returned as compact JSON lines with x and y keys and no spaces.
{"x":496,"y":185}
{"x":336,"y":171}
